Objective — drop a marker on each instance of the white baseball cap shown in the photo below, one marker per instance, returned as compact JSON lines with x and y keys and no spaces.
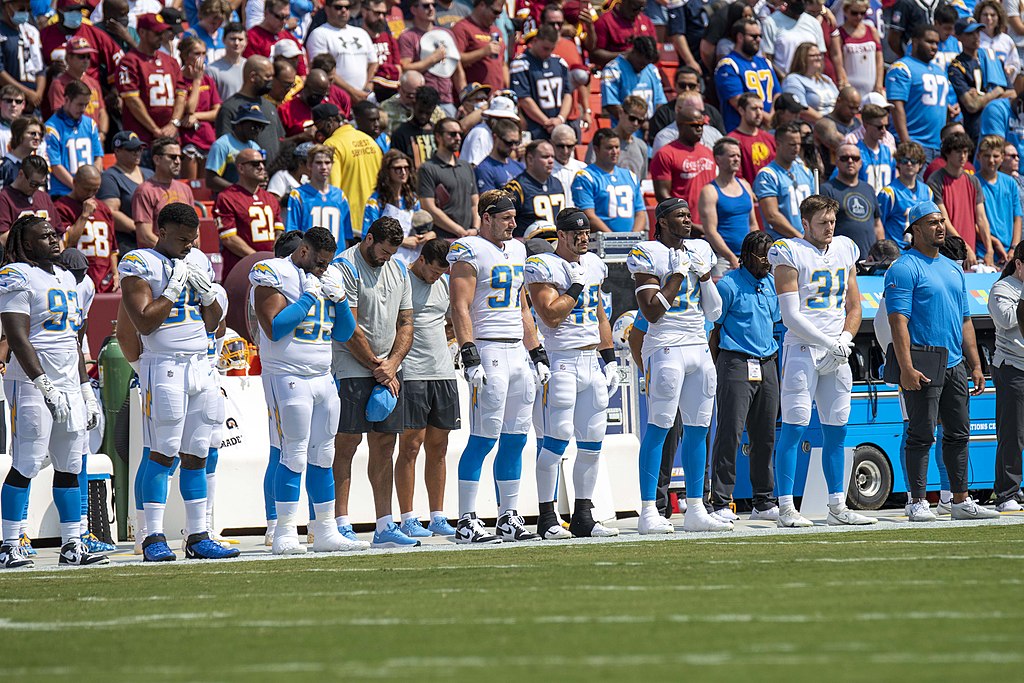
{"x":502,"y":108}
{"x":877,"y":99}
{"x":286,"y":49}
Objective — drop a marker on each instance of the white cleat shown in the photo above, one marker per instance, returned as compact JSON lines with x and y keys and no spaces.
{"x":555,"y":532}
{"x":971,"y":510}
{"x":326,"y":539}
{"x":1009,"y":506}
{"x":920,"y":512}
{"x":602,"y":531}
{"x":653,"y":523}
{"x":944,"y":508}
{"x":770,"y":515}
{"x":789,"y":518}
{"x":726,"y":515}
{"x":841,"y":515}
{"x":698,"y":519}
{"x":286,"y":541}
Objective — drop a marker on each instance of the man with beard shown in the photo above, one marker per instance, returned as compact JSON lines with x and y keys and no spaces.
{"x":744,"y":70}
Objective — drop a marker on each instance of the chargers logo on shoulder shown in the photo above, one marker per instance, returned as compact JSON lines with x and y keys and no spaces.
{"x":641,"y":255}
{"x":134,"y":264}
{"x":537,"y":267}
{"x":460,"y":249}
{"x":265,"y":273}
{"x":11,"y":278}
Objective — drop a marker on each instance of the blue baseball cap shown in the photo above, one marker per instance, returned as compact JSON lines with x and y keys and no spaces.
{"x":382,"y":402}
{"x":966,"y":25}
{"x":921,"y":210}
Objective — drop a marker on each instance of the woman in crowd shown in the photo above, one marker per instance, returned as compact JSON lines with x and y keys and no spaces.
{"x":26,"y":138}
{"x":862,"y":49}
{"x":395,"y":196}
{"x":288,"y":171}
{"x":809,"y":85}
{"x":995,"y":39}
{"x":202,"y":103}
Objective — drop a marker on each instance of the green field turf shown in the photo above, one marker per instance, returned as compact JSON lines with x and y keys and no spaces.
{"x":918,"y":605}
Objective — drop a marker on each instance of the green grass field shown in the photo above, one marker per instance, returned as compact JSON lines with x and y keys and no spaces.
{"x":879,"y":606}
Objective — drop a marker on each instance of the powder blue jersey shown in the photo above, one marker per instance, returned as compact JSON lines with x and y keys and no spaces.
{"x":71,"y":144}
{"x":789,"y":187}
{"x":308,"y":207}
{"x":894,"y":204}
{"x":877,"y":168}
{"x":925,"y":92}
{"x":615,"y":197}
{"x":619,"y":80}
{"x":735,"y":75}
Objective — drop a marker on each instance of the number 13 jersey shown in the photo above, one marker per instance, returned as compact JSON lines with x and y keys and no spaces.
{"x":496,"y":311}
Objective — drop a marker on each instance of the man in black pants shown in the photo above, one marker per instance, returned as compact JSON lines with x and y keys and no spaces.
{"x":748,"y":379}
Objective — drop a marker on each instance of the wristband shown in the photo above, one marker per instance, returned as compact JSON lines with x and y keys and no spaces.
{"x":574,"y":291}
{"x":470,"y":355}
{"x":663,"y":301}
{"x":608,"y":355}
{"x":539,"y":355}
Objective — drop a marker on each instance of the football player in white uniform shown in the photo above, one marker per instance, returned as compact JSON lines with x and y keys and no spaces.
{"x":816,"y":278}
{"x":675,"y":293}
{"x":168,"y":294}
{"x":494,"y":328}
{"x":299,"y":315}
{"x":52,"y":404}
{"x":565,"y":288}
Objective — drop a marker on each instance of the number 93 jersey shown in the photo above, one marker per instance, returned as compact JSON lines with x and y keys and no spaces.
{"x":184,"y":330}
{"x":306,"y":351}
{"x":579,"y":329}
{"x":496,"y":311}
{"x":683,"y":323}
{"x":821,"y":278}
{"x":50,"y":300}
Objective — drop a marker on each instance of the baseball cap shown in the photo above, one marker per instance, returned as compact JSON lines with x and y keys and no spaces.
{"x":79,"y":45}
{"x":128,"y":140}
{"x":787,"y":102}
{"x":250,"y":113}
{"x":919,"y":211}
{"x":153,"y":22}
{"x":302,"y":151}
{"x":173,"y":18}
{"x":382,"y":402}
{"x":286,"y":49}
{"x":502,"y":108}
{"x":966,"y":25}
{"x":72,"y":259}
{"x":877,"y":99}
{"x":472,"y":89}
{"x":326,"y":110}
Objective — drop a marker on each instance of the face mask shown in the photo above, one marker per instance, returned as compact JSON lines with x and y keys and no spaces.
{"x":72,"y":20}
{"x":20,"y":18}
{"x":312,"y":100}
{"x":121,"y":20}
{"x":263,"y":89}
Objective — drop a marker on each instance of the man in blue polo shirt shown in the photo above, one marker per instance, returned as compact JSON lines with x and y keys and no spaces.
{"x":748,"y":379}
{"x":72,"y":139}
{"x":783,"y":184}
{"x":926,"y":296}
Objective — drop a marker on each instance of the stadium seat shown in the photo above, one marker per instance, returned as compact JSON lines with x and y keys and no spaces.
{"x":200,"y":192}
{"x":209,"y":240}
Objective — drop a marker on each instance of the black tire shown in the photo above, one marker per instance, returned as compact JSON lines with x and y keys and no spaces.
{"x":871,"y":479}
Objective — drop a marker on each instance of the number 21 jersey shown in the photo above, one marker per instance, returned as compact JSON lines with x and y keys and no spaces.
{"x":252,"y":217}
{"x":152,"y":79}
{"x":496,"y":311}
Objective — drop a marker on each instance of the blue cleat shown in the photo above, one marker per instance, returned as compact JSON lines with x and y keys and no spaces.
{"x":202,"y":547}
{"x":348,"y":532}
{"x":155,"y":549}
{"x":392,"y":537}
{"x":413,"y":528}
{"x":439,"y":526}
{"x":95,"y":545}
{"x":26,"y":546}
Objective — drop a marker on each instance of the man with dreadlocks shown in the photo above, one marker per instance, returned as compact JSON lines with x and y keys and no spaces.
{"x":50,"y":410}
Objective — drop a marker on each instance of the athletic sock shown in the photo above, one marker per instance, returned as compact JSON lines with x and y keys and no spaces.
{"x":508,"y":470}
{"x":140,"y":478}
{"x":695,"y":460}
{"x":434,"y":514}
{"x":508,"y":495}
{"x":286,"y":510}
{"x":211,"y":485}
{"x":268,"y":483}
{"x":837,"y":500}
{"x":154,"y":495}
{"x":341,"y":520}
{"x":467,"y":496}
{"x":83,"y":495}
{"x":584,"y":472}
{"x":192,"y":484}
{"x":785,"y":457}
{"x":384,"y":522}
{"x":786,"y":501}
{"x":69,"y":511}
{"x":547,"y":468}
{"x":650,"y":461}
{"x":945,"y":497}
{"x":406,"y":516}
{"x":833,"y":456}
{"x":323,"y":513}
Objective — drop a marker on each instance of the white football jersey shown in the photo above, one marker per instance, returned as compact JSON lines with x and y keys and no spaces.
{"x":497,"y":309}
{"x":50,"y":300}
{"x":683,"y":323}
{"x":214,"y":344}
{"x":306,"y":351}
{"x":184,"y":330}
{"x":579,"y":329}
{"x":822,"y":277}
{"x":86,"y":295}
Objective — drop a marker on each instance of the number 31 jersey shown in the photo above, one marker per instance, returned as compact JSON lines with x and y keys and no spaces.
{"x":496,"y":311}
{"x":579,"y":329}
{"x":184,"y":330}
{"x":306,"y":351}
{"x":50,"y":300}
{"x":254,"y":218}
{"x":822,"y":278}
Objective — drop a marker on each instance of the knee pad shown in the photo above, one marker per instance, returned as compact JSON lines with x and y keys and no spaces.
{"x":17,"y":479}
{"x":65,"y":480}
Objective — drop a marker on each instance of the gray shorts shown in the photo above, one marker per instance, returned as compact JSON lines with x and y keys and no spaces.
{"x":432,"y":402}
{"x":354,"y":393}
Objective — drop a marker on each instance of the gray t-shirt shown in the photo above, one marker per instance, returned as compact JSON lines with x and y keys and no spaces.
{"x":227,"y":76}
{"x":378,"y":294}
{"x":429,"y":357}
{"x":858,"y":210}
{"x":451,"y":187}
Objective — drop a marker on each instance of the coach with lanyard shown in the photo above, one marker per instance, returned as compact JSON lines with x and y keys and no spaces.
{"x":926,"y":295}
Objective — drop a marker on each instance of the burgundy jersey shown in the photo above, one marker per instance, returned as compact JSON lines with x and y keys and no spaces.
{"x":387,"y":60}
{"x":153,"y":79}
{"x":202,"y":134}
{"x":98,"y":240}
{"x":14,"y":204}
{"x":296,"y":116}
{"x":102,"y":66}
{"x":255,"y":218}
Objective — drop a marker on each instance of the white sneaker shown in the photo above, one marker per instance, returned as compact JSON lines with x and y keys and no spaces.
{"x":286,"y":541}
{"x":602,"y":531}
{"x":1009,"y":506}
{"x":326,"y":539}
{"x":726,"y":515}
{"x":944,"y":508}
{"x":698,"y":519}
{"x":790,"y":518}
{"x":971,"y":510}
{"x":653,"y":523}
{"x":840,"y":515}
{"x":771,"y":514}
{"x":920,"y":512}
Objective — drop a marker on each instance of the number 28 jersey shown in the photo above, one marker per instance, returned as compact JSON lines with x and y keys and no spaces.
{"x":822,"y":278}
{"x":306,"y":351}
{"x":579,"y":329}
{"x":153,"y":79}
{"x":254,"y":218}
{"x":50,"y":300}
{"x":496,"y":311}
{"x":184,"y":330}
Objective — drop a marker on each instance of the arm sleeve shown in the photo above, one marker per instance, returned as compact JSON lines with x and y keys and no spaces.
{"x":344,"y":322}
{"x":798,"y":323}
{"x":290,"y":316}
{"x":710,"y":300}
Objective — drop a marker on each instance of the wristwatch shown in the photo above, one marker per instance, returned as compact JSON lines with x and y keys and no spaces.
{"x":176,"y":123}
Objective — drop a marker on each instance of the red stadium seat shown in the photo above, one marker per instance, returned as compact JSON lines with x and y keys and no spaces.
{"x":209,"y":240}
{"x":200,"y":192}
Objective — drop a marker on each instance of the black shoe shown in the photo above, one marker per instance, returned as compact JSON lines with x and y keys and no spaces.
{"x":74,"y":553}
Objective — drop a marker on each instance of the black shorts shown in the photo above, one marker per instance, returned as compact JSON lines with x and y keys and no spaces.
{"x":433,"y":402}
{"x":354,"y":393}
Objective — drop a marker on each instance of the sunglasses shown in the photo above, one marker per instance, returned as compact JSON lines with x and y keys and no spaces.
{"x":458,"y":134}
{"x":283,"y":17}
{"x":256,"y":162}
{"x":856,"y":13}
{"x":638,"y":120}
{"x":1012,"y":156}
{"x":339,"y":8}
{"x":905,"y":161}
{"x":427,"y":5}
{"x":753,"y":36}
{"x":696,"y":123}
{"x":556,"y":24}
{"x":172,"y":157}
{"x":36,"y":184}
{"x":511,"y":143}
{"x":34,"y":133}
{"x":11,"y":100}
{"x":879,"y":126}
{"x":400,"y":169}
{"x":849,"y":157}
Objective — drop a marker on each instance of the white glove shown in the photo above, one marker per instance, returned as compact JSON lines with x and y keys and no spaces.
{"x":177,"y":281}
{"x":837,"y":354}
{"x":311,"y":285}
{"x":611,"y":376}
{"x":55,"y":399}
{"x":331,"y":285}
{"x":577,"y":274}
{"x":679,"y":261}
{"x":542,"y":371}
{"x":91,"y":406}
{"x":200,"y":282}
{"x":698,"y":265}
{"x":476,"y":376}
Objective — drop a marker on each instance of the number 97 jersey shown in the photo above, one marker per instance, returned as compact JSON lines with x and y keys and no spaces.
{"x":822,"y":278}
{"x":496,"y":311}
